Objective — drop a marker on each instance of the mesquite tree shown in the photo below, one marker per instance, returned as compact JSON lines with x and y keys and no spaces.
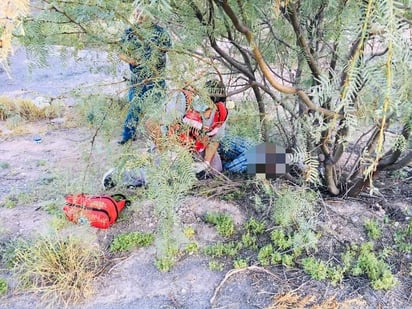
{"x":331,"y":79}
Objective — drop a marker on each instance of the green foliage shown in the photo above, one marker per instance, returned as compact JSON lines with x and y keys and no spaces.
{"x":17,"y":198}
{"x":255,"y":227}
{"x":358,"y":83}
{"x":374,"y":268}
{"x":249,"y":240}
{"x":9,"y":202}
{"x":99,"y":111}
{"x":192,"y":248}
{"x":167,"y":259}
{"x":294,"y":208}
{"x":240,"y":263}
{"x":288,"y":260}
{"x":336,"y":274}
{"x":3,"y":286}
{"x":356,"y":261}
{"x":128,"y":241}
{"x":294,"y":212}
{"x":223,"y":222}
{"x":164,"y":263}
{"x":403,"y":238}
{"x":53,"y":208}
{"x":216,"y":266}
{"x":221,"y":249}
{"x":170,"y":176}
{"x":317,"y":269}
{"x":372,"y":229}
{"x":4,"y":165}
{"x":265,"y":255}
{"x":280,"y":240}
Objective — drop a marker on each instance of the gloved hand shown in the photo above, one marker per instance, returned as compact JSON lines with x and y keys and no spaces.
{"x":200,"y":166}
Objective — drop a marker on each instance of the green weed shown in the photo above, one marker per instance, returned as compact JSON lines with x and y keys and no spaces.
{"x":265,"y":255}
{"x":3,"y":286}
{"x":280,"y":240}
{"x":54,"y":209}
{"x":216,"y":266}
{"x":403,"y":238}
{"x":127,"y":241}
{"x":317,"y":269}
{"x":58,"y":223}
{"x":164,"y":263}
{"x":224,"y":223}
{"x":376,"y":269}
{"x":288,"y":260}
{"x":336,"y":274}
{"x":240,"y":263}
{"x":223,"y":249}
{"x":372,"y":229}
{"x":9,"y":202}
{"x":189,"y":232}
{"x":249,"y":240}
{"x":192,"y":248}
{"x":255,"y":227}
{"x":295,"y":209}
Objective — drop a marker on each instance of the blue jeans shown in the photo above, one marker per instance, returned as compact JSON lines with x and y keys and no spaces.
{"x":136,"y":97}
{"x":232,"y":150}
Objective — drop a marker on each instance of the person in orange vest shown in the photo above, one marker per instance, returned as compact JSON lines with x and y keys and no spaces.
{"x":189,"y":121}
{"x":196,"y":123}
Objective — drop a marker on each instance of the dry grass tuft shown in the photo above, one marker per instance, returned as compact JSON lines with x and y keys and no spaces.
{"x":26,"y":109}
{"x":6,"y":107}
{"x":294,"y":301}
{"x":62,"y":271}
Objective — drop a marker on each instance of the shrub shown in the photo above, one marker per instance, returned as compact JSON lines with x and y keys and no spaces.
{"x":372,"y":229}
{"x":224,"y":223}
{"x":60,"y":269}
{"x":127,"y":241}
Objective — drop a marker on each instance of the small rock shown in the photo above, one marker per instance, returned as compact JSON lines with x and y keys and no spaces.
{"x":41,"y":102}
{"x":60,"y":120}
{"x":354,"y":219}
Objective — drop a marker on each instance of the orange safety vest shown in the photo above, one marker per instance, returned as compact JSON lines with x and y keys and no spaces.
{"x":193,"y":119}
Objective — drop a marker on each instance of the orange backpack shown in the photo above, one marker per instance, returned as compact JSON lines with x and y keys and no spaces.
{"x":99,"y":211}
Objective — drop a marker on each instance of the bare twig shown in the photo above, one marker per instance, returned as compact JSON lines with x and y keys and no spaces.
{"x":233,"y":272}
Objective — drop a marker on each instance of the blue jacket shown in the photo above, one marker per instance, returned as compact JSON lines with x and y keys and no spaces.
{"x":150,"y":52}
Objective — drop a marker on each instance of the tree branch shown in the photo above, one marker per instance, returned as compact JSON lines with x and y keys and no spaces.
{"x":264,"y":67}
{"x":302,"y":42}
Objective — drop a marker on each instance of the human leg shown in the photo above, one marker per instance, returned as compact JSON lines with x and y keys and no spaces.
{"x":136,"y":98}
{"x":233,"y":150}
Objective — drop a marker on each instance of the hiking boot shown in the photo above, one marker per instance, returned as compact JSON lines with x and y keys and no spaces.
{"x":124,"y":141}
{"x":107,"y":181}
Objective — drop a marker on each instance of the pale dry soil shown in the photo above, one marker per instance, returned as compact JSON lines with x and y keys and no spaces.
{"x":40,"y":174}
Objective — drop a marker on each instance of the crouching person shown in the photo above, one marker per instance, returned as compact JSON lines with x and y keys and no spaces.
{"x":191,"y":122}
{"x":195,"y":123}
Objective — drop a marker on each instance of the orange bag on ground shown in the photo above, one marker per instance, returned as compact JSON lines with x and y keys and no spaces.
{"x":99,"y":211}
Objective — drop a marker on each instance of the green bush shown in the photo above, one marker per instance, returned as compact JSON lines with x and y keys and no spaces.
{"x":372,"y":229}
{"x":224,"y":223}
{"x":127,"y":241}
{"x":317,"y":269}
{"x":223,"y":249}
